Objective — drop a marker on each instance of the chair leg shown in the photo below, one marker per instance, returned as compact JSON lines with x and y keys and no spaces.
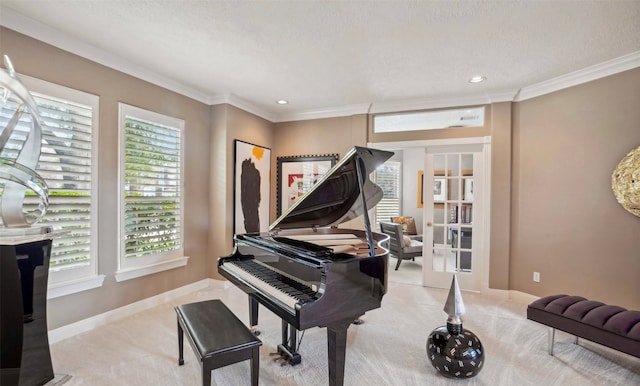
{"x":398,"y":264}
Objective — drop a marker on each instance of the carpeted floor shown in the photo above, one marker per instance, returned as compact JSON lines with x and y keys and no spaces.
{"x":388,"y":349}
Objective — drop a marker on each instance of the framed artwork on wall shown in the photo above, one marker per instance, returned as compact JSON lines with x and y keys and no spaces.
{"x":297,"y":174}
{"x":439,"y":189}
{"x":251,"y":191}
{"x":468,"y":189}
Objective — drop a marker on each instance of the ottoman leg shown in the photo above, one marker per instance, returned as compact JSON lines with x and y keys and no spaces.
{"x":552,"y":335}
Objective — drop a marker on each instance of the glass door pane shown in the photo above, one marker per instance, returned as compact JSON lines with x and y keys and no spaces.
{"x":452,"y":215}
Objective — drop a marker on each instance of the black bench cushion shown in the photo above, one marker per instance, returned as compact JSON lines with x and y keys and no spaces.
{"x":214,"y":328}
{"x":611,"y":326}
{"x":625,"y":323}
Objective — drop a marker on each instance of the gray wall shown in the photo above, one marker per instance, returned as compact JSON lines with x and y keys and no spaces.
{"x":552,"y":208}
{"x":566,"y":222}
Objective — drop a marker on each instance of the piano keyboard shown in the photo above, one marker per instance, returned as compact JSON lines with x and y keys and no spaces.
{"x":282,"y":287}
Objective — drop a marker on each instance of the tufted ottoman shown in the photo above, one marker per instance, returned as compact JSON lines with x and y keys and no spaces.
{"x":611,"y":326}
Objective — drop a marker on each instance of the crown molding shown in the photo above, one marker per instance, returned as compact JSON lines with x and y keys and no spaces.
{"x":504,"y":96}
{"x":610,"y":67}
{"x":426,"y":104}
{"x":242,"y":104}
{"x":331,"y":112}
{"x":32,"y":28}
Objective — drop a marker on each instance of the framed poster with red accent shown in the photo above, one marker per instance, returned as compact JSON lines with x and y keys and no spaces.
{"x":297,"y":174}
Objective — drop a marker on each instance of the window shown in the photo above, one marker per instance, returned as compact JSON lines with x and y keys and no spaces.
{"x":388,"y":178}
{"x":67,"y":164}
{"x":428,"y":120}
{"x":151,"y":192}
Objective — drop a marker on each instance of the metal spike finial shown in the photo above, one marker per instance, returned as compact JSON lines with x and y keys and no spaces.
{"x":454,"y":306}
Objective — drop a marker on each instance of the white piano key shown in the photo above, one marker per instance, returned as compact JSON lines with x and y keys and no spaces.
{"x":261,"y":285}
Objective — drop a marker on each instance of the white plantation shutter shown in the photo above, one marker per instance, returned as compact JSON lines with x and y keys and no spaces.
{"x":66,"y":163}
{"x":388,"y":178}
{"x":152,"y":187}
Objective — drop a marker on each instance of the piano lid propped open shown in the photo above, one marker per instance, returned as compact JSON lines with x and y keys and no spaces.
{"x":336,"y":197}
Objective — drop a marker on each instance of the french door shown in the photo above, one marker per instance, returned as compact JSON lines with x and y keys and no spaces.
{"x":454,"y":215}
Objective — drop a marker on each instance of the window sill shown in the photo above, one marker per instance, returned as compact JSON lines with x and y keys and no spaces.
{"x":134,"y":272}
{"x":73,"y":286}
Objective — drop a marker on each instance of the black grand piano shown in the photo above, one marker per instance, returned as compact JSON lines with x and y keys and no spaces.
{"x":310,"y":273}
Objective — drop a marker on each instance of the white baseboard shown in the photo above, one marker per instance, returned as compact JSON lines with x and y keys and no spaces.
{"x":522,"y":297}
{"x":89,"y":324}
{"x":514,"y":296}
{"x":496,"y":293}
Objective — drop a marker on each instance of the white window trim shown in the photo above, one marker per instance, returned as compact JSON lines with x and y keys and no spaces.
{"x":146,"y":265}
{"x":69,"y":287}
{"x":132,"y":273}
{"x":68,"y":282}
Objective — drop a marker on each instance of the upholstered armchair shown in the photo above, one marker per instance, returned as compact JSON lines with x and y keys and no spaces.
{"x":400,"y":246}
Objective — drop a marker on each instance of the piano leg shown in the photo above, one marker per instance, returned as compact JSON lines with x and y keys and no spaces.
{"x":337,"y":348}
{"x":253,"y":315}
{"x":289,"y":342}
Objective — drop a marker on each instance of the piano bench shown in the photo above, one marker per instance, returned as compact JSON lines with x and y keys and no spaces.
{"x":218,"y":338}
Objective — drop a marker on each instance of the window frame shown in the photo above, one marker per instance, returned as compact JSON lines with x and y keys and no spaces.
{"x":429,"y":120}
{"x":66,"y":282}
{"x":148,"y":264}
{"x":400,"y":167}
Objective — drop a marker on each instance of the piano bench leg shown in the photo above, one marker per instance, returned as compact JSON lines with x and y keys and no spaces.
{"x":180,"y":345}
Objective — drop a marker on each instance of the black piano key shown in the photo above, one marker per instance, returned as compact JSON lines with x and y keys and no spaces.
{"x":281,"y":282}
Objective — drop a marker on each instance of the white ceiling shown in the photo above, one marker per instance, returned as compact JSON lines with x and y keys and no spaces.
{"x":335,"y":57}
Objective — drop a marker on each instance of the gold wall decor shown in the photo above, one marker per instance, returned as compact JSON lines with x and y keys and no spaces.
{"x":625,"y":182}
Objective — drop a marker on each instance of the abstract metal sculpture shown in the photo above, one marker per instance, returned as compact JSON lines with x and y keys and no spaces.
{"x":19,"y":154}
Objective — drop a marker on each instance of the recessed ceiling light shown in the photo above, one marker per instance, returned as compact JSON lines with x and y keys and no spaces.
{"x":477,"y":79}
{"x":282,"y":102}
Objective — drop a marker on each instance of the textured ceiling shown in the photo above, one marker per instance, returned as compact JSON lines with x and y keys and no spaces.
{"x":324,"y":56}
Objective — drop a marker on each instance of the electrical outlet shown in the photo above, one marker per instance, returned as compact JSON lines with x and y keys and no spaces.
{"x":536,"y":277}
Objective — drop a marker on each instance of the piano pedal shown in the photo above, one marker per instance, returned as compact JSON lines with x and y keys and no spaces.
{"x":281,"y":358}
{"x":358,"y":322}
{"x":289,"y":357}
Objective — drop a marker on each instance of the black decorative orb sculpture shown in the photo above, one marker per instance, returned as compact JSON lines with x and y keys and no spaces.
{"x":454,"y":351}
{"x":455,"y":355}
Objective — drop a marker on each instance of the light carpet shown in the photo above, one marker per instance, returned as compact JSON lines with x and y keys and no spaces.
{"x":388,"y":349}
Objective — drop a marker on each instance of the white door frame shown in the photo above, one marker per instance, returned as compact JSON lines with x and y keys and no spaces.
{"x":486,"y":204}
